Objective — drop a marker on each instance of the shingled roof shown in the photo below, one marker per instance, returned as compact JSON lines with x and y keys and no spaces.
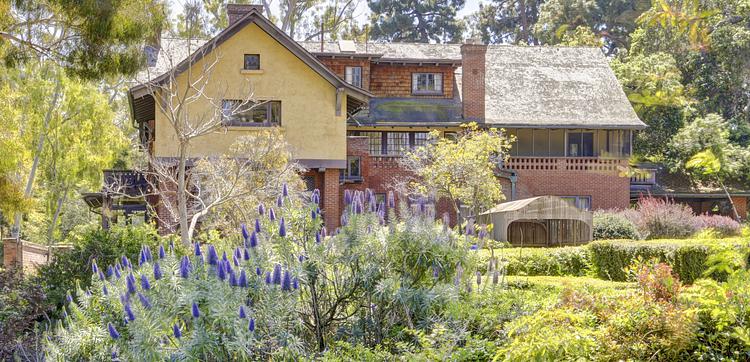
{"x":567,"y":87}
{"x":387,"y":51}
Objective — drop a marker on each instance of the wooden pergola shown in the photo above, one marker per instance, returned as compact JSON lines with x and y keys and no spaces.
{"x":539,"y":221}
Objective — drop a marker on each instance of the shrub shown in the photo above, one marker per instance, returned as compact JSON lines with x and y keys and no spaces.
{"x":658,"y":218}
{"x":657,"y":281}
{"x":609,"y":259}
{"x":22,"y":305}
{"x":724,"y":226}
{"x":69,"y":267}
{"x":609,"y":225}
{"x":569,"y":260}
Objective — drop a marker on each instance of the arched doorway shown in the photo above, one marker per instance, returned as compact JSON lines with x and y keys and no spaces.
{"x":528,"y":233}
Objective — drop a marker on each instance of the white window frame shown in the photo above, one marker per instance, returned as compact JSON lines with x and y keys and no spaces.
{"x":431,"y":84}
{"x":353,"y":75}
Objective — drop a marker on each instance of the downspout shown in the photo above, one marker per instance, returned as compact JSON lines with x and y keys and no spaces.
{"x":513,"y":177}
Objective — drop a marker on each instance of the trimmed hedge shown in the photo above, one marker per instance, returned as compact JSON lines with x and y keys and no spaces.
{"x":564,"y":261}
{"x":686,"y":257}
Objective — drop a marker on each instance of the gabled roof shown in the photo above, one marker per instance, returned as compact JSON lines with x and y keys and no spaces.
{"x":542,"y":86}
{"x":388,"y":52}
{"x":253,"y":16}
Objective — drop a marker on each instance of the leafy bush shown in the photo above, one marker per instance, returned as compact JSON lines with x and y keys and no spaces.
{"x":569,"y":260}
{"x":69,"y":267}
{"x":687,"y":258}
{"x":658,"y":218}
{"x":610,"y":225}
{"x":22,"y":305}
{"x":724,"y":226}
{"x":282,"y":291}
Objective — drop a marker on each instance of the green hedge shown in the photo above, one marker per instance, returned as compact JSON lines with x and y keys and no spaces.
{"x":570,"y":261}
{"x":687,"y":257}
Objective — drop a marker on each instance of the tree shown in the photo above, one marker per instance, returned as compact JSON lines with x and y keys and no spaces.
{"x":416,"y":21}
{"x":91,"y":39}
{"x":59,"y":147}
{"x":463,"y":171}
{"x":704,"y":149}
{"x":507,"y":21}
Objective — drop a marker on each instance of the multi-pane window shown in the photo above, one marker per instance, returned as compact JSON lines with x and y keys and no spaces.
{"x":427,"y":83}
{"x":261,"y":113}
{"x":393,"y":143}
{"x":252,"y":62}
{"x":580,"y":144}
{"x":397,"y":143}
{"x":353,"y":167}
{"x":354,"y":76}
{"x":581,"y":202}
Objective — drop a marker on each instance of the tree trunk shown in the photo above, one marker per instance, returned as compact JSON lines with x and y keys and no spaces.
{"x":16,"y":229}
{"x":182,"y":194}
{"x":55,"y":216}
{"x":731,"y":202}
{"x":524,"y":22}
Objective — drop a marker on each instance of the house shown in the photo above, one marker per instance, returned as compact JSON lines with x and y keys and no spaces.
{"x":351,"y":110}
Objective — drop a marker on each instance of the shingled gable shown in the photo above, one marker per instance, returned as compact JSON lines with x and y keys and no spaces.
{"x":254,"y":16}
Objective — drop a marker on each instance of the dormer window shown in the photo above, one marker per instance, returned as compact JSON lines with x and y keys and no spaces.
{"x":427,"y":83}
{"x":354,"y":76}
{"x":252,"y":62}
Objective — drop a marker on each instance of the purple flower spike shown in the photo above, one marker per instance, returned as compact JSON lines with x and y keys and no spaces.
{"x":268,"y":278}
{"x":253,"y":240}
{"x":358,"y":207}
{"x":251,"y":325}
{"x":279,"y":202}
{"x":157,"y":271}
{"x":257,"y":225}
{"x":125,"y":261}
{"x":110,"y":271}
{"x":213,"y":258}
{"x":301,"y":258}
{"x":474,"y":247}
{"x":232,"y":279}
{"x":271,"y":215}
{"x":130,"y":279}
{"x":317,"y":237}
{"x":104,"y":290}
{"x":245,"y":234}
{"x":277,"y":274}
{"x":285,"y":190}
{"x":162,"y":254}
{"x":129,"y":313}
{"x":261,"y":209}
{"x":316,"y":196}
{"x":313,"y":215}
{"x":221,"y":272}
{"x":323,"y":232}
{"x":243,"y":279}
{"x":101,"y":275}
{"x":145,"y":285}
{"x":94,"y":267}
{"x":142,"y":257}
{"x":144,"y":301}
{"x":235,"y":260}
{"x":69,"y":298}
{"x":185,"y":267}
{"x":117,"y":272}
{"x":242,"y":312}
{"x":344,"y":220}
{"x":295,"y":283}
{"x":147,"y":251}
{"x":347,"y":197}
{"x":112,"y":331}
{"x":196,"y":312}
{"x":258,"y":272}
{"x":176,"y":331}
{"x":246,"y":255}
{"x":286,"y":282}
{"x":198,"y":251}
{"x":282,"y":228}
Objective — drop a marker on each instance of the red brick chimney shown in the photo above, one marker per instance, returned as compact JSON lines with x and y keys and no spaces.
{"x":472,"y":79}
{"x":235,"y":12}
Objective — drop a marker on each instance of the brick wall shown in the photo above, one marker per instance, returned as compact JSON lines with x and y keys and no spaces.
{"x":388,"y":80}
{"x":607,"y":189}
{"x":28,"y":255}
{"x":740,"y":203}
{"x":330,"y":198}
{"x":338,"y":66}
{"x":472,"y":81}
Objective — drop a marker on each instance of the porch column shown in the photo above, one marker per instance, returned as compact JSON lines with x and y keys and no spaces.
{"x":331,"y":204}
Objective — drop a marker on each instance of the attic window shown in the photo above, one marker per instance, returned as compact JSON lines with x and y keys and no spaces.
{"x":252,"y":62}
{"x":427,"y":83}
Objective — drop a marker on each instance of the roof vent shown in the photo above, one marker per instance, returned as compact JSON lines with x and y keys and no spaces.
{"x":347,"y":46}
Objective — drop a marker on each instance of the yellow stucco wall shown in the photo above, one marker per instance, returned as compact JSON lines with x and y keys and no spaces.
{"x":308,"y":101}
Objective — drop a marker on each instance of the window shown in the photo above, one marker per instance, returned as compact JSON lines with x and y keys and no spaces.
{"x":557,"y":143}
{"x":353,"y":170}
{"x":376,"y":142}
{"x":541,"y":142}
{"x":397,"y":143}
{"x":580,"y":144}
{"x":427,"y":83}
{"x":261,"y":113}
{"x":525,"y":144}
{"x":354,"y":76}
{"x":252,"y":62}
{"x":453,"y":136}
{"x":581,"y":202}
{"x":420,"y":139}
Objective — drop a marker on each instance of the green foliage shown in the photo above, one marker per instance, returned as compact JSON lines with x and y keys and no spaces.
{"x":71,"y":267}
{"x":22,"y":304}
{"x":416,"y":21}
{"x":507,"y":21}
{"x":686,"y":257}
{"x":610,"y":225}
{"x":569,"y":260}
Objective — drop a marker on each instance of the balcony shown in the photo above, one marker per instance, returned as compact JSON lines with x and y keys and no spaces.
{"x":566,"y":164}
